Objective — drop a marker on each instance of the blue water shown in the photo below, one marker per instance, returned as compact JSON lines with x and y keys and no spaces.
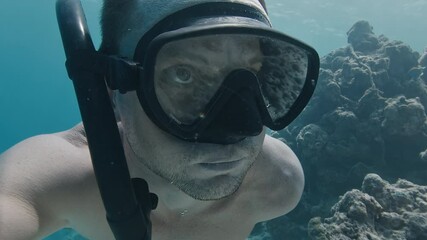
{"x":36,"y":96}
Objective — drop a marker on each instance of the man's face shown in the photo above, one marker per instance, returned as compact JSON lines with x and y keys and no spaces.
{"x":189,"y":72}
{"x":203,"y":171}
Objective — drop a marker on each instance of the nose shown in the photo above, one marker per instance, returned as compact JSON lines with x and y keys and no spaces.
{"x":239,"y":117}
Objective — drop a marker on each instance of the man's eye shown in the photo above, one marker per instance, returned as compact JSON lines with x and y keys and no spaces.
{"x":180,"y":74}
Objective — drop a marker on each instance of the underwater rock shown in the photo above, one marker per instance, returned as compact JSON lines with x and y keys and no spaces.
{"x":404,"y":117}
{"x":260,"y":233}
{"x":334,"y":93}
{"x":423,"y":156}
{"x":423,"y":65}
{"x":415,"y":72}
{"x":365,"y":102}
{"x":340,"y":120}
{"x":380,"y":211}
{"x":423,"y":59}
{"x":402,"y":59}
{"x":355,"y":79}
{"x":362,"y":37}
{"x":367,"y":114}
{"x":371,"y":102}
{"x":312,"y":139}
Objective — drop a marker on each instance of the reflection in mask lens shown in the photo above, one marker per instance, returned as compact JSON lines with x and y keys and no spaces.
{"x":189,"y":72}
{"x":282,"y":76}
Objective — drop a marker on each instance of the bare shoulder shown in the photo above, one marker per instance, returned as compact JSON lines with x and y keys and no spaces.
{"x":46,"y":162}
{"x":43,"y":156}
{"x":276,"y":180}
{"x":45,"y":171}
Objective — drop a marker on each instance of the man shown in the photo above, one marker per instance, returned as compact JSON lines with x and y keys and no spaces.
{"x":215,"y":182}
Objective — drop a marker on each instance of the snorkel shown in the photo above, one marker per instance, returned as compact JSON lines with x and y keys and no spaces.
{"x":127,"y":202}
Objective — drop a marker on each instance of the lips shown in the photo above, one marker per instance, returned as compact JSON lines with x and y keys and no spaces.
{"x":221,"y":166}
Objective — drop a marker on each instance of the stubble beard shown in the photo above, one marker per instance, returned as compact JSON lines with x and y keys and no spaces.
{"x":214,"y":188}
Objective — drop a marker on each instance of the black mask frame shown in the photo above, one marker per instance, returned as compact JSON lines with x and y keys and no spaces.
{"x":152,"y":107}
{"x":199,"y":20}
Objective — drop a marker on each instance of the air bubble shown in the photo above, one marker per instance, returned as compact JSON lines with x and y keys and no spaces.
{"x":184,"y":212}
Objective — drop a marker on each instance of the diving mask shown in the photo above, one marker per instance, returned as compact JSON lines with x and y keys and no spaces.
{"x":217,"y":73}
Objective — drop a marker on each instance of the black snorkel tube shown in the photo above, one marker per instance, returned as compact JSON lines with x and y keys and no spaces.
{"x":127,"y":202}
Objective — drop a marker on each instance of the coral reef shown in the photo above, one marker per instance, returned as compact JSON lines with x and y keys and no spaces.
{"x":368,"y":114}
{"x":362,"y":37}
{"x":380,"y":211}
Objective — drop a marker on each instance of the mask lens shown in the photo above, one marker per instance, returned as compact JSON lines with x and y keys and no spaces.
{"x":282,"y":75}
{"x":189,"y":72}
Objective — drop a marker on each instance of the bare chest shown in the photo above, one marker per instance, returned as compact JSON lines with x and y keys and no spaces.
{"x":208,"y":227}
{"x":221,"y":225}
{"x":225,"y":220}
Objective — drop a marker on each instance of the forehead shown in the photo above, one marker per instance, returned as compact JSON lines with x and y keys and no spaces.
{"x":148,"y":12}
{"x":216,"y":51}
{"x":214,"y":43}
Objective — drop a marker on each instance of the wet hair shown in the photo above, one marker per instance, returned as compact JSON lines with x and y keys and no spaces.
{"x":115,"y":22}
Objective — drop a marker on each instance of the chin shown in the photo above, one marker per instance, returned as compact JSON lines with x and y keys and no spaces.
{"x":218,"y":188}
{"x":215,"y":187}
